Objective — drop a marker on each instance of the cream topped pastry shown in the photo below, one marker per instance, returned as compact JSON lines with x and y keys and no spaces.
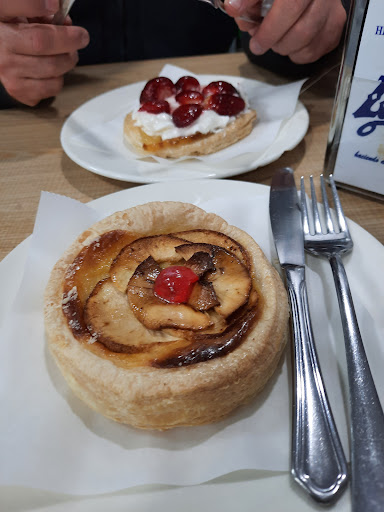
{"x":162,"y":124}
{"x":164,"y":315}
{"x":186,"y":118}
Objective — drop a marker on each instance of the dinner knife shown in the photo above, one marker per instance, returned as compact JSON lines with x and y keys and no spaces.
{"x":318,"y":462}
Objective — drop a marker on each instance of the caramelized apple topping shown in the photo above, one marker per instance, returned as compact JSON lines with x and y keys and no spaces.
{"x":203,"y":296}
{"x":200,"y":262}
{"x":160,"y":297}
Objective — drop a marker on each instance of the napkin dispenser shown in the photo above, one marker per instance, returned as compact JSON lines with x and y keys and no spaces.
{"x":355,"y":150}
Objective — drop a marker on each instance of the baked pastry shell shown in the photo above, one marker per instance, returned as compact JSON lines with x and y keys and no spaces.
{"x":162,"y":398}
{"x":199,"y":145}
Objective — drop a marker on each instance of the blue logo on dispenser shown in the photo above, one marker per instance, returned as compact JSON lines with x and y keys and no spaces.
{"x":366,"y":110}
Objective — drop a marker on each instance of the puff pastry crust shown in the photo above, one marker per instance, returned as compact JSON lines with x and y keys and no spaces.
{"x":148,"y":389}
{"x":194,"y":145}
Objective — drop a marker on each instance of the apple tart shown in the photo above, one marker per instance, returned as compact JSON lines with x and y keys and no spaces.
{"x":164,"y":315}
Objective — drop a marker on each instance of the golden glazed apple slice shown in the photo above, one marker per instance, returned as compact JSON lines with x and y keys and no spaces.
{"x":198,"y":261}
{"x":203,"y":296}
{"x":110,"y":320}
{"x":231,"y":282}
{"x":89,"y":267}
{"x":199,"y":254}
{"x":215,"y":238}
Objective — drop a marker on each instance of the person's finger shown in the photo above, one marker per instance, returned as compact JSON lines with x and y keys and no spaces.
{"x":320,"y":46}
{"x":26,"y":66}
{"x":31,"y":91}
{"x":27,"y":8}
{"x":42,"y":39}
{"x":234,"y":7}
{"x":68,"y":21}
{"x":281,"y":17}
{"x":18,"y":19}
{"x":47,"y":20}
{"x":246,"y":26}
{"x":309,"y":27}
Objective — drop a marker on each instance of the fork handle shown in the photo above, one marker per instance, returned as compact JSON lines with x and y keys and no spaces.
{"x":366,"y":413}
{"x":318,"y":463}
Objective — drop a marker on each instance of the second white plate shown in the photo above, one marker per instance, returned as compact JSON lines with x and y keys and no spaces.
{"x":108,"y":156}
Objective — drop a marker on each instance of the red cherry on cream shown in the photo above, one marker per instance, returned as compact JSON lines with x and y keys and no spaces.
{"x":186,"y":114}
{"x":187,"y":83}
{"x":189,"y":97}
{"x":157,"y":89}
{"x":225,"y":104}
{"x":155,"y":107}
{"x":219,"y":87}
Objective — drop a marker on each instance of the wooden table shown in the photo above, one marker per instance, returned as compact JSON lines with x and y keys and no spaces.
{"x":31,"y":157}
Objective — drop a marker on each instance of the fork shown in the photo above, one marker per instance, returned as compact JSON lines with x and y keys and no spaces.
{"x":366,"y":413}
{"x":265,"y":6}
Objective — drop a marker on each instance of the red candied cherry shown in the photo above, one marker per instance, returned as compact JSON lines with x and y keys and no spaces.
{"x":219,"y":87}
{"x":225,"y":104}
{"x":155,"y":107}
{"x":174,"y":284}
{"x":157,"y":89}
{"x":187,"y":83}
{"x":189,"y":97}
{"x":186,"y":114}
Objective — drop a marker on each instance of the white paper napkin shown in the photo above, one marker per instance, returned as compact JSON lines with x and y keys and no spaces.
{"x":273,"y":105}
{"x":51,"y":440}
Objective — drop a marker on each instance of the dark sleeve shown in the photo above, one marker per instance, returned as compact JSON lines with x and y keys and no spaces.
{"x":5,"y":99}
{"x":126,"y":31}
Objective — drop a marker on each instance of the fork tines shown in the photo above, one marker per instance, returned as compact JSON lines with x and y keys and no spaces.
{"x":341,"y":225}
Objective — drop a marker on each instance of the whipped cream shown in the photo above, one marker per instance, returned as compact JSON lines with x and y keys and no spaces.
{"x":162,"y":124}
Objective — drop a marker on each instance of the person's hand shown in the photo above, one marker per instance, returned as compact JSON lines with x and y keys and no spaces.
{"x":35,"y":55}
{"x":305,"y":30}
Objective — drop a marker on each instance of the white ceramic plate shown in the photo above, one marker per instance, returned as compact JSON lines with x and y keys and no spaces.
{"x":109,"y":157}
{"x":245,"y":491}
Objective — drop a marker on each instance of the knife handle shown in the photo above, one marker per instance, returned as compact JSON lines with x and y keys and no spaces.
{"x":318,"y":462}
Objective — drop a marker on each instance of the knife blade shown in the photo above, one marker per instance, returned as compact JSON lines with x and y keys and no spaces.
{"x":59,"y":17}
{"x":285,"y":218}
{"x":317,"y":458}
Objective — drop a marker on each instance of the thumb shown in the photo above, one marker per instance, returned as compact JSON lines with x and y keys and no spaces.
{"x":27,"y":8}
